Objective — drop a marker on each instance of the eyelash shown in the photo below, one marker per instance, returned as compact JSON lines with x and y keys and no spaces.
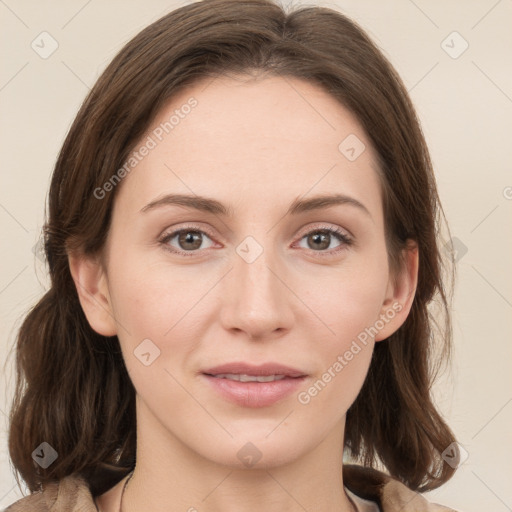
{"x":345,"y":240}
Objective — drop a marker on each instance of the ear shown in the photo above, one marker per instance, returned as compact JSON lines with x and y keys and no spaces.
{"x":400,"y":293}
{"x":92,"y":287}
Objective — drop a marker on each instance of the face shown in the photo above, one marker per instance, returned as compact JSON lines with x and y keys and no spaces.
{"x":290,"y":292}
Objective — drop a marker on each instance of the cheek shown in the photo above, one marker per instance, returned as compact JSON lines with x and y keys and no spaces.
{"x":168,"y":305}
{"x":153,"y":307}
{"x":343,"y":360}
{"x":349,"y":304}
{"x":349,"y":299}
{"x":154,"y":298}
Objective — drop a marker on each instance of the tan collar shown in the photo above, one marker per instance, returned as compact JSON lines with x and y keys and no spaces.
{"x":390,"y":494}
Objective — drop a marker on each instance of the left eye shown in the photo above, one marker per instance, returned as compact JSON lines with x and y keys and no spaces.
{"x":320,"y":239}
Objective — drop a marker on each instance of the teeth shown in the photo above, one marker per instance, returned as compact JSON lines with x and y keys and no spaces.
{"x":249,"y":378}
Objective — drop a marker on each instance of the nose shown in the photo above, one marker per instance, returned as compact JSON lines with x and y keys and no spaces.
{"x":255,"y":297}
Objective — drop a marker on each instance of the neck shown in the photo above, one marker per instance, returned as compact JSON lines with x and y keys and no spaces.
{"x":170,"y":477}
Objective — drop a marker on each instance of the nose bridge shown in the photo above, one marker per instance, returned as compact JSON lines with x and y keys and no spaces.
{"x":257,"y":300}
{"x":255,"y":282}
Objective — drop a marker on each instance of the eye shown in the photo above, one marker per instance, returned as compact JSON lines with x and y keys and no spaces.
{"x":188,"y":240}
{"x":320,"y":239}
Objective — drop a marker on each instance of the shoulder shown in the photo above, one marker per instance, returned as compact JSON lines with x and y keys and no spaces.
{"x":390,"y":494}
{"x":72,"y":494}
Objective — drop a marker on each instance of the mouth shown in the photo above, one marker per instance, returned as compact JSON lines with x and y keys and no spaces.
{"x":249,"y":385}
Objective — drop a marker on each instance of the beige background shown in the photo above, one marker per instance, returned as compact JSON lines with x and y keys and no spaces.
{"x":465,"y":105}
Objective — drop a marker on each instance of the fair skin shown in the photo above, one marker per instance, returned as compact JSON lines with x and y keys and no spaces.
{"x":256,"y":146}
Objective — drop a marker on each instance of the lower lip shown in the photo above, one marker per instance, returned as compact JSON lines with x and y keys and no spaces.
{"x":255,"y":394}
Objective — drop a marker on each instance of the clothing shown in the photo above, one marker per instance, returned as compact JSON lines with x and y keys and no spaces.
{"x":365,"y":485}
{"x":361,"y":504}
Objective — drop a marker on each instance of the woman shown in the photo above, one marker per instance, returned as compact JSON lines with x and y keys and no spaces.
{"x":242,"y":244}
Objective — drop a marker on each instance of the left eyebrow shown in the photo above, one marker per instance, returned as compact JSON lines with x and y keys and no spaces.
{"x":215,"y":207}
{"x":324,"y":201}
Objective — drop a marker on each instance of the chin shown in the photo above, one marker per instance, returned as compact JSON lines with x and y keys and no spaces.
{"x":256,"y":449}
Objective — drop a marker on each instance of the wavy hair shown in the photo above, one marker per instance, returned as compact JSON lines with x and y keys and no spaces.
{"x":72,"y":387}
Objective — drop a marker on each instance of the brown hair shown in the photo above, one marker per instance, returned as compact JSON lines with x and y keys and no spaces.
{"x":73,"y":390}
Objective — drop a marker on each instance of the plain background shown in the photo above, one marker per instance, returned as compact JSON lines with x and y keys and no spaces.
{"x":464,"y":101}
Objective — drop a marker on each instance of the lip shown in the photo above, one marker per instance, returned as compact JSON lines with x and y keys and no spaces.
{"x":254,"y":394}
{"x":264,"y":369}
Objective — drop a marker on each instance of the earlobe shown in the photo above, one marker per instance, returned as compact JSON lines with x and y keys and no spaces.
{"x":400,"y":293}
{"x":92,"y":287}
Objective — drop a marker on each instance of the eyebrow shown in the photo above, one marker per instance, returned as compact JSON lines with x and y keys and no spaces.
{"x":215,"y":207}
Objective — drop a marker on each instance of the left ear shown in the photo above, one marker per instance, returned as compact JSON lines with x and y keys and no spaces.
{"x":400,"y":293}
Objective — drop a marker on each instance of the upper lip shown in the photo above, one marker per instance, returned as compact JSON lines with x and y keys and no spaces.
{"x":264,"y":369}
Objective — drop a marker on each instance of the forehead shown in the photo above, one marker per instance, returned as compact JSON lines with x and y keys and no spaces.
{"x":246,"y":141}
